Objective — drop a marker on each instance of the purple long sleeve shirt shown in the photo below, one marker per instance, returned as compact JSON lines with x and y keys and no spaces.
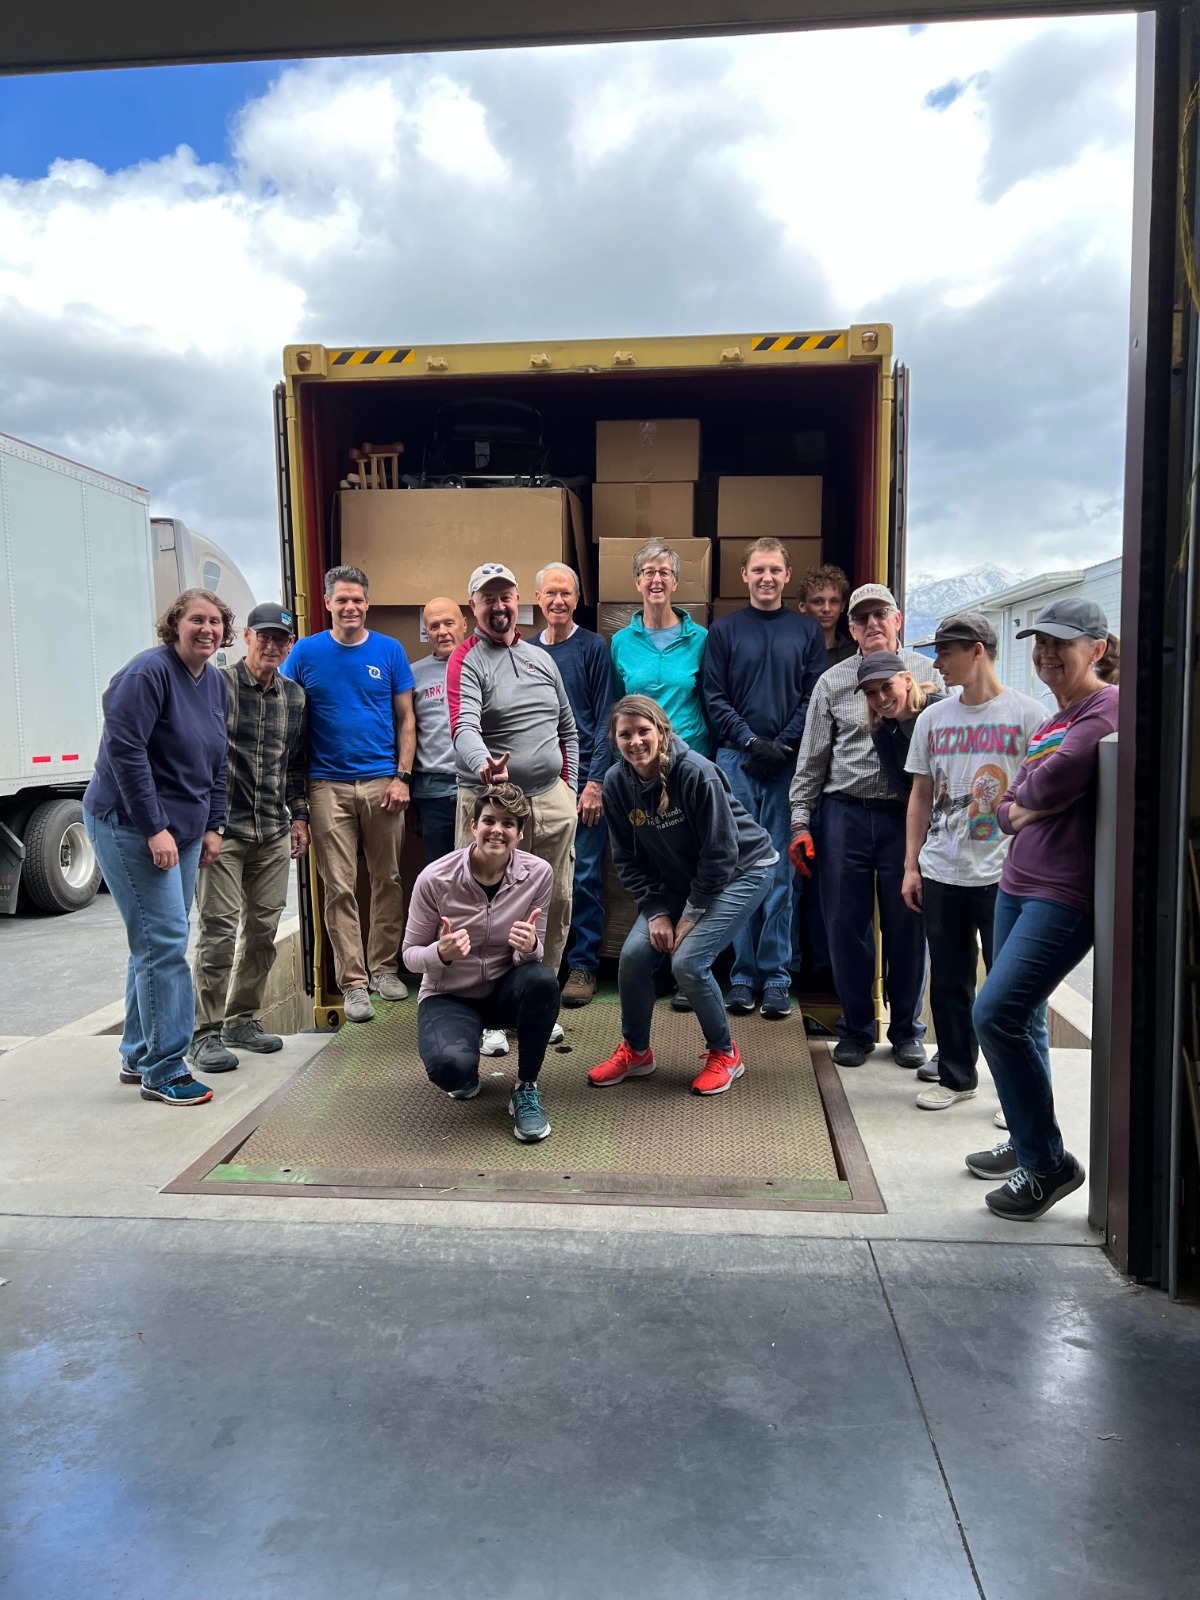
{"x":1055,"y":859}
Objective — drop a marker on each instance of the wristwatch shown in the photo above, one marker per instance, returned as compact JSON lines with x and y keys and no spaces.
{"x":405,"y":777}
{"x":220,"y":829}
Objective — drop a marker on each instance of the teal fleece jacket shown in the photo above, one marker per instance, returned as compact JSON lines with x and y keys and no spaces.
{"x":671,"y":676}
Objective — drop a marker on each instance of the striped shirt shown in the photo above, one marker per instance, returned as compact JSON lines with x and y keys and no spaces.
{"x":837,"y":755}
{"x":268,"y":756}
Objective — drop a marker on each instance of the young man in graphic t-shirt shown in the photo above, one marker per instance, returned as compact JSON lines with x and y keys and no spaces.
{"x":964,"y":753}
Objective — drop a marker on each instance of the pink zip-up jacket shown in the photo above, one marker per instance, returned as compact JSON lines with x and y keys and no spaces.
{"x":447,"y":889}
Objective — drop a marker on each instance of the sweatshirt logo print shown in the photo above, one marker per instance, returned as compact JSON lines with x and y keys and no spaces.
{"x":638,"y":817}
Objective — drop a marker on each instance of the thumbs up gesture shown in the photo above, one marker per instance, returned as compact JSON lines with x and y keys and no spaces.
{"x":523,"y":936}
{"x":453,"y":946}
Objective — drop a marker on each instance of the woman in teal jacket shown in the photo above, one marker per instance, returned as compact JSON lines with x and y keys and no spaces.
{"x":659,"y":654}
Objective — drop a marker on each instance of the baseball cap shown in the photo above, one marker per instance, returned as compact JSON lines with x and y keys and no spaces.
{"x":1069,"y":619}
{"x":878,"y":665}
{"x":966,"y":627}
{"x":488,"y":573}
{"x":270,"y":618}
{"x":871,"y":591}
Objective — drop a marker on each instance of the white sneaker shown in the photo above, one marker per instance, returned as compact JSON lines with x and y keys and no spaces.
{"x":388,"y":986}
{"x":495,"y":1042}
{"x":356,"y":1003}
{"x":556,"y":1034}
{"x":1000,"y":1120}
{"x":939,"y":1098}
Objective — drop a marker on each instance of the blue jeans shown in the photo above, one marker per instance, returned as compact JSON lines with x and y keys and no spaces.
{"x":691,"y":965}
{"x":763,"y":945}
{"x":154,"y":906}
{"x":862,"y":856}
{"x":437,"y":816}
{"x":587,"y":899}
{"x":1036,"y":943}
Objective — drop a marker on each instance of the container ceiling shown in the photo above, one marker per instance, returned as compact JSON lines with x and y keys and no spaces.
{"x":77,"y":34}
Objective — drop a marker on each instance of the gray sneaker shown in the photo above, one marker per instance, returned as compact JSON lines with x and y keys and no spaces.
{"x":356,"y":1003}
{"x":208,"y":1054}
{"x":251,"y":1035}
{"x":530,"y":1121}
{"x":388,"y":986}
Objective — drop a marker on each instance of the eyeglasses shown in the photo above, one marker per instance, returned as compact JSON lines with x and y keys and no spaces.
{"x":656,"y":572}
{"x":863,"y":617}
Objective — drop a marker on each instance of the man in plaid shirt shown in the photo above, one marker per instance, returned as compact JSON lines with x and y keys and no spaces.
{"x":244,"y":892}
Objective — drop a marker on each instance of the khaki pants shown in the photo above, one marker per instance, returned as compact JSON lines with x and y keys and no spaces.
{"x":340,"y":815}
{"x":550,"y":835}
{"x":239,"y":901}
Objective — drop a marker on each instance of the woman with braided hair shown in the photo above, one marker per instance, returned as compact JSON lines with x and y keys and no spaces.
{"x":698,"y":866}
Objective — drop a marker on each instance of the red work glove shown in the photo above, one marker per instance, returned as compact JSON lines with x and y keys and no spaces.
{"x":802,"y":852}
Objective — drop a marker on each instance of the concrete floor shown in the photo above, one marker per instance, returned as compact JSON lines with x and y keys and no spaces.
{"x":215,"y":1395}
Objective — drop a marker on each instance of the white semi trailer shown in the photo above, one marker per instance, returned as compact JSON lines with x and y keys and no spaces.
{"x":84,"y":571}
{"x":76,"y":601}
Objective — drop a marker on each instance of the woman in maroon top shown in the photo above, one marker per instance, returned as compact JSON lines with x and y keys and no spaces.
{"x":1043,"y":925}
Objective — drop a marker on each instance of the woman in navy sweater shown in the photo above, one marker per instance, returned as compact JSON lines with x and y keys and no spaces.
{"x":155,"y":812}
{"x":699,"y":867}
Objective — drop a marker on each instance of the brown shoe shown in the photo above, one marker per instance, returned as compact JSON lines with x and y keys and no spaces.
{"x":579,"y":988}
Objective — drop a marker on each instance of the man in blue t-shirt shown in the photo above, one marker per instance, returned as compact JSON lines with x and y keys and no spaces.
{"x":362,"y":737}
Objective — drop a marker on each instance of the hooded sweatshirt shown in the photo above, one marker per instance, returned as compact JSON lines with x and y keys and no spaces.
{"x":678,"y":863}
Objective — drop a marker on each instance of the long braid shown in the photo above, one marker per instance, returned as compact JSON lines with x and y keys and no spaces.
{"x":640,"y":705}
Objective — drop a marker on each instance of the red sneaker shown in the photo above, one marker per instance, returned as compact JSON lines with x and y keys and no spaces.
{"x":625,"y":1063}
{"x":719,"y":1071}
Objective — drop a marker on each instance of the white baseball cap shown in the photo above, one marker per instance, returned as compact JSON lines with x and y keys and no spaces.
{"x":871,"y":591}
{"x":489,"y":572}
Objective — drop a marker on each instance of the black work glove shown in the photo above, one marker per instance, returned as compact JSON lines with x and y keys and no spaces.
{"x":766,"y":760}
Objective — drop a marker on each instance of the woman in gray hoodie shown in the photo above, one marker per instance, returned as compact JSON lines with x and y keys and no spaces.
{"x":698,"y":866}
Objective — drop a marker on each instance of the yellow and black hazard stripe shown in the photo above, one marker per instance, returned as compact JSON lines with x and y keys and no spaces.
{"x":370,"y":358}
{"x":798,"y":341}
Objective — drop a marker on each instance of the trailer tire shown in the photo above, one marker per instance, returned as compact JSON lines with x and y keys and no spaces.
{"x":61,"y":872}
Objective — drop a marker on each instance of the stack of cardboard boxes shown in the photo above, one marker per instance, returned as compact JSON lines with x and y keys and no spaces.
{"x":645,"y":488}
{"x":414,"y":544}
{"x":749,"y":508}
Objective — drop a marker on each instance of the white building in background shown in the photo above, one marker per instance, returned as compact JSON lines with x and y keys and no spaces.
{"x":1012,"y":610}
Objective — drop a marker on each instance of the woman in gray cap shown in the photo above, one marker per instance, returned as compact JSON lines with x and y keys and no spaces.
{"x":894,"y":702}
{"x":1043,"y":924}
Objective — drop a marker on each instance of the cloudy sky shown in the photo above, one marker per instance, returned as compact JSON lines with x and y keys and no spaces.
{"x":164,"y":233}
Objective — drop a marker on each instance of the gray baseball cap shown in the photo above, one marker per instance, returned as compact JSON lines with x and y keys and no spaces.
{"x":880,"y":664}
{"x":966,"y":627}
{"x":1069,"y":619}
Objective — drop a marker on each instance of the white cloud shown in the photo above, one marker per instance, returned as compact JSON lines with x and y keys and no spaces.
{"x":971,"y":183}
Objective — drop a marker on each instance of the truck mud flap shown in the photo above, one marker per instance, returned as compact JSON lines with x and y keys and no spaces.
{"x":12,"y":859}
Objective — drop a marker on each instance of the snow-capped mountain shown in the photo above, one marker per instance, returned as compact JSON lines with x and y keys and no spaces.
{"x":929,"y":599}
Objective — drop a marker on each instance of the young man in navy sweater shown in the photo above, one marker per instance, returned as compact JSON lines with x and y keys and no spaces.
{"x":760,"y":666}
{"x":585,"y":666}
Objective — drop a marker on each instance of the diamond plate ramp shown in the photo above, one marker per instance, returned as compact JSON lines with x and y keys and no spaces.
{"x":364,"y":1119}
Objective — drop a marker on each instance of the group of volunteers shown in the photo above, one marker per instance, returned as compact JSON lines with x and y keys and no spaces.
{"x":708,"y":763}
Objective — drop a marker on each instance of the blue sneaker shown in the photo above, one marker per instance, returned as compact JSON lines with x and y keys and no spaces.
{"x":183,"y":1092}
{"x":129,"y":1074}
{"x":740,"y":1000}
{"x":530,"y":1121}
{"x":776,"y":1003}
{"x":469,"y":1093}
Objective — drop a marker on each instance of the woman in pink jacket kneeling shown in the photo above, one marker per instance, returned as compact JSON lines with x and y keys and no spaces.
{"x":476,"y":926}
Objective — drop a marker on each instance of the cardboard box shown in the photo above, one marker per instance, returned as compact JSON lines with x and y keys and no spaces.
{"x":803,"y":554}
{"x":748,"y":508}
{"x":616,"y":569}
{"x":613,"y":615}
{"x":406,"y":623}
{"x":417,"y":543}
{"x":663,"y":451}
{"x":643,"y":511}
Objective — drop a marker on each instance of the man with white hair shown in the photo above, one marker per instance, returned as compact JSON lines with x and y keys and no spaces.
{"x":585,"y":667}
{"x":862,"y":843}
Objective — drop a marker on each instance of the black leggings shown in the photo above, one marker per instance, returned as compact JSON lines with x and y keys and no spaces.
{"x":450,"y":1027}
